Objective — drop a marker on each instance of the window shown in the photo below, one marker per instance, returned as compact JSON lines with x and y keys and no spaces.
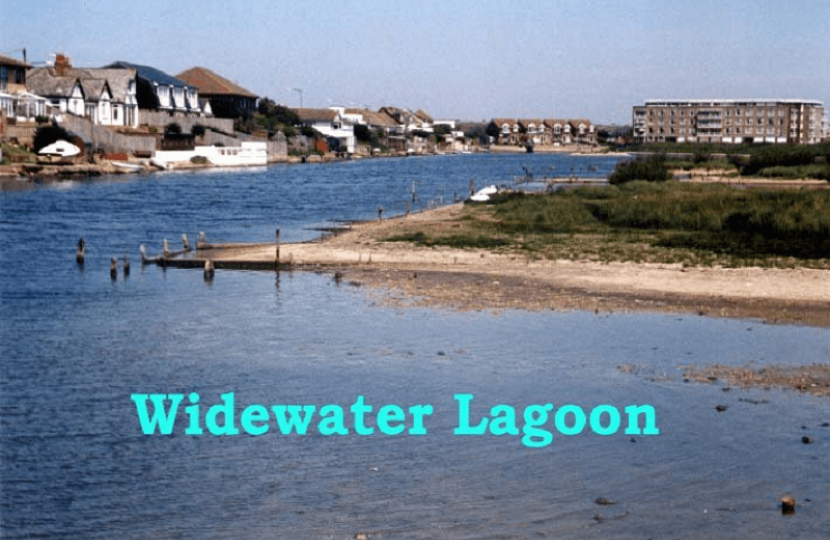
{"x":115,"y":113}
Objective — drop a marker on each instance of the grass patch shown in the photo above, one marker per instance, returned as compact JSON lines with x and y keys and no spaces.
{"x":662,"y":222}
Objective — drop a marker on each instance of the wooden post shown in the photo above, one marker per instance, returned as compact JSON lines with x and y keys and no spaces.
{"x":114,"y":268}
{"x":277,"y":260}
{"x":208,"y":270}
{"x":185,"y":243}
{"x":200,"y":243}
{"x":79,"y":254}
{"x":166,"y":249}
{"x":126,"y":265}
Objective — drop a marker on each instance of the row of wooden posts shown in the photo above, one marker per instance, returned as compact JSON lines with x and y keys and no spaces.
{"x":167,"y":255}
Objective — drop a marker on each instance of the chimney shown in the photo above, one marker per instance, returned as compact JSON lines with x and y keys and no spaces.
{"x":62,"y":64}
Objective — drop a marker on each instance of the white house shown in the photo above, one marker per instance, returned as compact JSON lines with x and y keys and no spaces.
{"x":158,"y":91}
{"x":98,"y":102}
{"x":64,"y":93}
{"x":330,"y":124}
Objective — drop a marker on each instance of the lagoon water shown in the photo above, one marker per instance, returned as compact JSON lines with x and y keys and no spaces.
{"x":75,"y":345}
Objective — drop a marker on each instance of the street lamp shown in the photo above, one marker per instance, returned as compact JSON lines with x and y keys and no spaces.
{"x":299,"y":91}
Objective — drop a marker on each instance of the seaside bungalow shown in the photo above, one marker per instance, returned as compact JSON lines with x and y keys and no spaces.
{"x":533,"y":131}
{"x":583,"y":131}
{"x":12,"y":75}
{"x":560,"y":131}
{"x":98,"y":101}
{"x":227,"y":99}
{"x":330,"y":124}
{"x":508,"y":130}
{"x":377,"y":120}
{"x":65,"y":94}
{"x":15,"y":100}
{"x":118,"y":108}
{"x":158,"y":91}
{"x":408,"y":121}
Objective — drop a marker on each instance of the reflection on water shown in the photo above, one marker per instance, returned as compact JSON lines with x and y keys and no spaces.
{"x":76,"y":345}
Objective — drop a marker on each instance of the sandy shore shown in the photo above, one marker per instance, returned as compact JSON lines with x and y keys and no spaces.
{"x":482,"y":280}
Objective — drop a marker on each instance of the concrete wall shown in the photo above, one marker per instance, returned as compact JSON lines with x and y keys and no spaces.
{"x":161,"y":119}
{"x":104,"y":139}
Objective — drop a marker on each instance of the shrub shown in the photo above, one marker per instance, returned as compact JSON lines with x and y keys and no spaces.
{"x":651,"y":169}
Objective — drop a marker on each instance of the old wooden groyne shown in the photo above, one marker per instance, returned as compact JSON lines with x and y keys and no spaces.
{"x":213,"y":256}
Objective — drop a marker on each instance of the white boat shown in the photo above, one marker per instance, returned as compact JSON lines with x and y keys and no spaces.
{"x":483,"y":195}
{"x":246,"y":155}
{"x":131,"y":167}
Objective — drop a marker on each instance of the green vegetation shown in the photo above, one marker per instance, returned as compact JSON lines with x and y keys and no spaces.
{"x":650,"y":169}
{"x":16,"y":153}
{"x":269,"y":117}
{"x":665,"y":222}
{"x":786,"y":161}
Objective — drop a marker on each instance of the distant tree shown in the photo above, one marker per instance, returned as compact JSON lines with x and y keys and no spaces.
{"x":172,"y":129}
{"x":362,"y":133}
{"x":443,"y":129}
{"x":493,"y":130}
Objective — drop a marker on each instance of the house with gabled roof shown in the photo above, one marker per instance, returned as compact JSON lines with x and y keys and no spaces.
{"x":106,"y":96}
{"x":158,"y":91}
{"x":533,"y":131}
{"x":12,"y":75}
{"x":507,"y":129}
{"x":227,"y":99}
{"x":65,"y":93}
{"x":330,"y":124}
{"x":560,"y":131}
{"x":97,"y":101}
{"x":583,"y":131}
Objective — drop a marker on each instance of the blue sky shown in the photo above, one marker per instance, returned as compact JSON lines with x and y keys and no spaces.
{"x":460,"y":59}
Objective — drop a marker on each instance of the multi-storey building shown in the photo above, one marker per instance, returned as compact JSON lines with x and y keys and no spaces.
{"x":771,"y":121}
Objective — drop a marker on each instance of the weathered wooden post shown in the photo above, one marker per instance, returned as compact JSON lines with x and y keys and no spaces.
{"x":472,"y":186}
{"x":125,"y":264}
{"x":185,"y":243}
{"x":380,"y":213}
{"x":166,"y":248}
{"x":209,"y":270}
{"x":114,"y":268}
{"x":277,"y":255}
{"x":142,"y":252}
{"x":200,"y":242}
{"x":79,"y":253}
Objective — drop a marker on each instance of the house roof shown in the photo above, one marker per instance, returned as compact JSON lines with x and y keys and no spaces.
{"x":94,"y":88}
{"x":118,"y":79}
{"x":209,"y":83}
{"x":374,"y":119}
{"x":422,"y":114}
{"x":316,"y":115}
{"x":8,"y":61}
{"x":524,"y":122}
{"x":551,"y":122}
{"x":576,"y":121}
{"x":44,"y":82}
{"x":501,"y":121}
{"x":149,"y":74}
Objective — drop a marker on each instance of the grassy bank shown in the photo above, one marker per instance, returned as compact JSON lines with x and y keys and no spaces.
{"x":664,"y":222}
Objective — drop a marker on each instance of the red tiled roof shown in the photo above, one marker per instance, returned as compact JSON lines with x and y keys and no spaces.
{"x":209,"y":83}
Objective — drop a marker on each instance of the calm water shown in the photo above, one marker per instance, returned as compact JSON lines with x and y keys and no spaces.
{"x":75,"y":345}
